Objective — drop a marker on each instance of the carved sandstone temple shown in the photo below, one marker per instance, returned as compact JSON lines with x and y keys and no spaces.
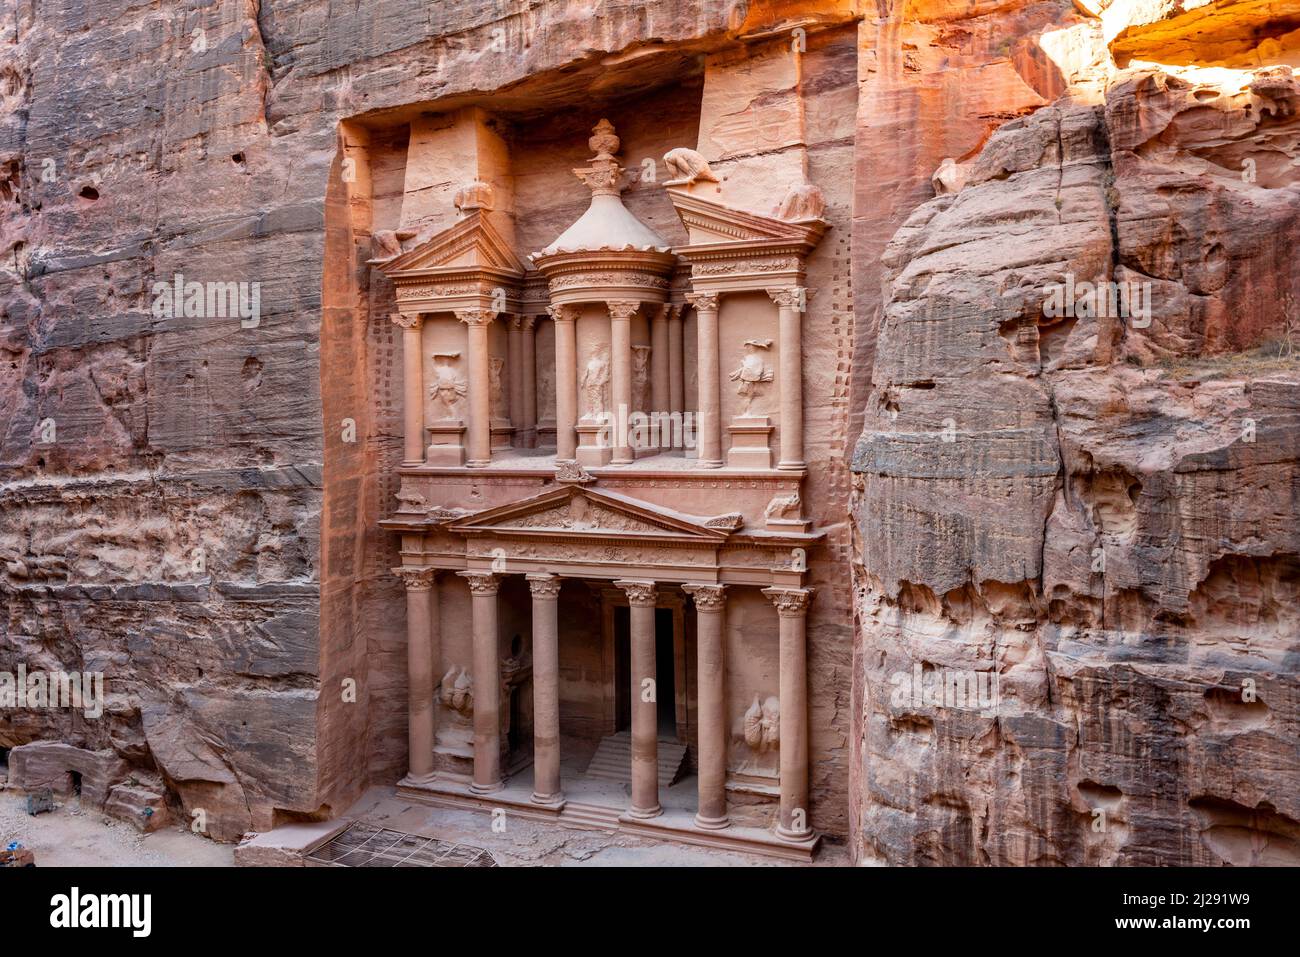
{"x":605,"y":531}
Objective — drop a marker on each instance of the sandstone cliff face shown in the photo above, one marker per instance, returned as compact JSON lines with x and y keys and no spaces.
{"x":1100,"y":511}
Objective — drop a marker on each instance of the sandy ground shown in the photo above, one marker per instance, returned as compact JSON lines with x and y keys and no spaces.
{"x":525,"y":843}
{"x":71,"y":837}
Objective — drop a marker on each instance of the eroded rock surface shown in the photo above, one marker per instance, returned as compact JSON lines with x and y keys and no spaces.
{"x":1101,"y":511}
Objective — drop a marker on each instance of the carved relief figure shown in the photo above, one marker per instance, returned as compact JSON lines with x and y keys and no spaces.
{"x":803,"y":201}
{"x":783,"y":506}
{"x":686,"y":166}
{"x":595,"y":385}
{"x":762,"y":725}
{"x":476,"y":195}
{"x":456,"y":693}
{"x":641,"y":378}
{"x":752,"y":372}
{"x":496,"y":388}
{"x":449,"y":386}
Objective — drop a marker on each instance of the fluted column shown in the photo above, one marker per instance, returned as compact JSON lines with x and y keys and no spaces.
{"x":790,"y":304}
{"x":566,"y":382}
{"x":708,"y":379}
{"x":659,"y":360}
{"x":412,"y":388}
{"x":645,"y":707}
{"x":620,"y":373}
{"x":486,"y":682}
{"x":528,"y":326}
{"x":515,"y":359}
{"x":546,"y":688}
{"x":792,"y":609}
{"x":710,"y":632}
{"x":480,"y":386}
{"x":421,"y":669}
{"x":676,"y":362}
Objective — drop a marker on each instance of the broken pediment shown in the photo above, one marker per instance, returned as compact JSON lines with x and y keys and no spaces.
{"x":471,"y":244}
{"x":708,"y":223}
{"x":584,"y":511}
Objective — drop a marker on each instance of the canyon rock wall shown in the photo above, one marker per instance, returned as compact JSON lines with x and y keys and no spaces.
{"x":1099,"y":510}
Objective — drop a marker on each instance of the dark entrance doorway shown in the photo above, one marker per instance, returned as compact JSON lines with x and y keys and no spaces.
{"x":665,"y":671}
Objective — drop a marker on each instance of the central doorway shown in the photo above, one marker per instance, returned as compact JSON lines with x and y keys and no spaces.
{"x":665,"y":671}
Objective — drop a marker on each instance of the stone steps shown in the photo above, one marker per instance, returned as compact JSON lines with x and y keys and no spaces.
{"x":578,"y":814}
{"x":613,"y":760}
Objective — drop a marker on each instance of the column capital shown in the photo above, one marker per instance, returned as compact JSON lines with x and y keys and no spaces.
{"x":526,"y":322}
{"x":622,"y":308}
{"x":407,"y":320}
{"x":475,"y":317}
{"x":566,"y":312}
{"x":793,"y":297}
{"x":638,"y":592}
{"x":416,"y":579}
{"x":790,"y":602}
{"x":707,"y":597}
{"x":704,"y":301}
{"x":544,"y":585}
{"x":664,"y":312}
{"x":482,"y":583}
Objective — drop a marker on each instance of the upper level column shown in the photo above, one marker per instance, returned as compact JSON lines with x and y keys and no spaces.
{"x":566,"y":382}
{"x":676,"y":362}
{"x":477,"y":322}
{"x":527,"y":325}
{"x":621,"y":312}
{"x":790,"y":307}
{"x":515,"y":371}
{"x":412,"y":387}
{"x":708,"y":379}
{"x":659,"y":375}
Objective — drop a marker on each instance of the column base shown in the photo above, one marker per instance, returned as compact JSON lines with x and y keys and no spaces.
{"x":555,"y":800}
{"x":708,"y":463}
{"x":791,"y":466}
{"x":488,"y":788}
{"x":712,"y":823}
{"x":643,"y":814}
{"x":478,"y":463}
{"x":417,"y":780}
{"x":412,"y":463}
{"x":806,"y":836}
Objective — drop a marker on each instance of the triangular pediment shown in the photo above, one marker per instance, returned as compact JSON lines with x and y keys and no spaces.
{"x":707,"y":222}
{"x":573,"y":510}
{"x":471,"y":243}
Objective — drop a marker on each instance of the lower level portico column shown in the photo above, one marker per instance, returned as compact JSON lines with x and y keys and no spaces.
{"x":710,"y":620}
{"x":412,"y":388}
{"x":546,"y":688}
{"x":486,"y":683}
{"x":645,"y":708}
{"x":566,"y":382}
{"x":792,"y":608}
{"x":421,"y":667}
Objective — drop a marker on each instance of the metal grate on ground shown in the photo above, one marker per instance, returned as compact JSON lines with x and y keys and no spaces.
{"x":364,"y":845}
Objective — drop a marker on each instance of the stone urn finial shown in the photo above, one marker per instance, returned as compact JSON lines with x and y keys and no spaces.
{"x":604,"y":141}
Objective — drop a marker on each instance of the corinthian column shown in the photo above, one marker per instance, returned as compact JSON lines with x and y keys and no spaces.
{"x":486,"y":683}
{"x":659,"y":360}
{"x":516,"y":373}
{"x":546,"y":688}
{"x":528,"y":324}
{"x":421,"y":669}
{"x":412,"y":388}
{"x":645,"y":707}
{"x":790,"y":304}
{"x":480,"y":384}
{"x":676,"y":362}
{"x":708,"y":379}
{"x":710,"y":621}
{"x":566,"y":382}
{"x":620,"y":373}
{"x":792,"y":608}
